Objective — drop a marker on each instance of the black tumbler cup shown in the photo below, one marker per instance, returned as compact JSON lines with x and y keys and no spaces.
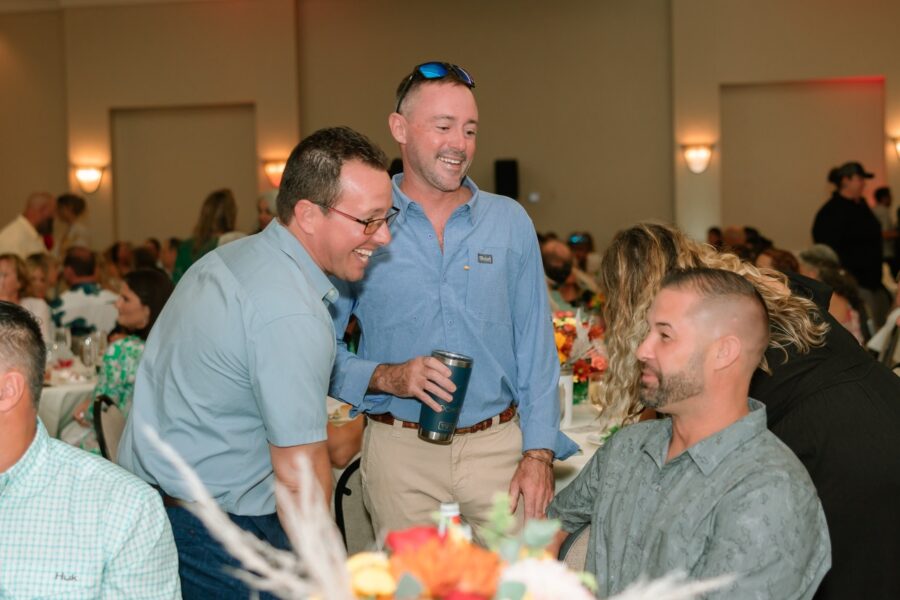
{"x":438,"y":427}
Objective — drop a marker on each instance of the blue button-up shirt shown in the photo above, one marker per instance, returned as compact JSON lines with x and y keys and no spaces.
{"x":483,"y":295}
{"x":238,"y":359}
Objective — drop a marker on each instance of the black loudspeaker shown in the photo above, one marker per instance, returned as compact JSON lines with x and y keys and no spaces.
{"x":506,"y":177}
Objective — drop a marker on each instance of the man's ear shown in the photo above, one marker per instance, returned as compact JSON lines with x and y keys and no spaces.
{"x":726,"y":351}
{"x":307,"y":215}
{"x":398,"y":124}
{"x":13,"y":389}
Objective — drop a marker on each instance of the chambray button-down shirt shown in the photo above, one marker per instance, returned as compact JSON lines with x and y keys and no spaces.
{"x":483,"y":296}
{"x":74,"y":525}
{"x":737,"y":502}
{"x":239,"y":359}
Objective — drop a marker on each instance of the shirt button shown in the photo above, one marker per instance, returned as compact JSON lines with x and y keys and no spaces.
{"x":450,"y":322}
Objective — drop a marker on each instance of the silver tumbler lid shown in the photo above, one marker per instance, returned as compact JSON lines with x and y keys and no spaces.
{"x":452,"y":359}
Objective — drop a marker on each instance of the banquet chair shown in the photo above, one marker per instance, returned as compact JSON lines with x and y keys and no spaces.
{"x":109,"y":423}
{"x":573,"y":551}
{"x":350,"y":512}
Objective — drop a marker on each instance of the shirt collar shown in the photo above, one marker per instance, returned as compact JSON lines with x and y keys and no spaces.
{"x":403,"y":201}
{"x":709,"y":452}
{"x":278,"y":235}
{"x":29,"y":462}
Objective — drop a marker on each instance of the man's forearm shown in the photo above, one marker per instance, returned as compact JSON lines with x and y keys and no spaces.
{"x":287,"y":476}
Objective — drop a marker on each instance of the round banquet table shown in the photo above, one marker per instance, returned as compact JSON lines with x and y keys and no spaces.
{"x":58,"y":401}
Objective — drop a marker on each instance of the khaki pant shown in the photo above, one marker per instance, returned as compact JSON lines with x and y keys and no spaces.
{"x":405,"y":479}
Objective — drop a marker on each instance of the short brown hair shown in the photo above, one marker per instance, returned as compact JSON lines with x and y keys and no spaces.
{"x":313,"y":171}
{"x":22,"y":346}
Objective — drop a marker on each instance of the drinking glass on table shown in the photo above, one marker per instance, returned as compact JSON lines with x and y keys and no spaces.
{"x":61,"y":348}
{"x":89,"y":349}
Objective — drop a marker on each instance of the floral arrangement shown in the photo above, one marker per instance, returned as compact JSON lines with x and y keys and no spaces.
{"x":579,"y":343}
{"x":441,"y":562}
{"x":430,"y":563}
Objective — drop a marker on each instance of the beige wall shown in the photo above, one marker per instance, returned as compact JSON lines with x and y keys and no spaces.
{"x":204,"y":148}
{"x":779,"y":142}
{"x":725,"y":42}
{"x":178,"y":55}
{"x":577,"y":91}
{"x":32,"y":108}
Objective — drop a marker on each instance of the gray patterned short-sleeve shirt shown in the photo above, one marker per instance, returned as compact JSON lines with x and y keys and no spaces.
{"x":737,"y":502}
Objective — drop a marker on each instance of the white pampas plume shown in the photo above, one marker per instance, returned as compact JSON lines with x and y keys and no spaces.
{"x":673,"y":586}
{"x":316,"y":568}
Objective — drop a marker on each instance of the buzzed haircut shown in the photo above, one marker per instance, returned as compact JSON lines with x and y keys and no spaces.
{"x":81,"y":260}
{"x":718,"y":284}
{"x":22,"y":347}
{"x":411,"y":82}
{"x":313,"y":170}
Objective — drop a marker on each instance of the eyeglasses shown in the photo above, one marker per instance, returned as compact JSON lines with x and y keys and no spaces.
{"x":433,"y":70}
{"x":371,"y":225}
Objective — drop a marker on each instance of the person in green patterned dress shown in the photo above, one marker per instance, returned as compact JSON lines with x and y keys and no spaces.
{"x":143,"y":294}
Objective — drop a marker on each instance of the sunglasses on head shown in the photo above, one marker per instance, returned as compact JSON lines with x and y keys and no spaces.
{"x":431,"y":71}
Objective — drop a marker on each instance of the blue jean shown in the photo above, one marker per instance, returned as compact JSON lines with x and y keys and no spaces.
{"x":202,"y":560}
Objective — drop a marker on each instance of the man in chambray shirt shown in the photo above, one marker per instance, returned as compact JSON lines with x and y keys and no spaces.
{"x":464,"y":275}
{"x":709,"y":491}
{"x":235,"y":372}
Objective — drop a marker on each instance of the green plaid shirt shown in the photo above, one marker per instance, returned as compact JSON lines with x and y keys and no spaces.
{"x":73,"y":525}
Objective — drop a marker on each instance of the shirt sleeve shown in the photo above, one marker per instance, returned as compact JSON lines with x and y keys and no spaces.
{"x":352,"y":374}
{"x":574,"y":506}
{"x":537,"y":360}
{"x":290,"y":362}
{"x":143,"y":560}
{"x":772,"y":535}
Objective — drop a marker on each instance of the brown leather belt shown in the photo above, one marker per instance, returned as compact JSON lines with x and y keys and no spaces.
{"x":505,"y":417}
{"x":167,"y":500}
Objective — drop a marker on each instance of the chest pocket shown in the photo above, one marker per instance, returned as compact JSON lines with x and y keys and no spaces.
{"x":488,"y":284}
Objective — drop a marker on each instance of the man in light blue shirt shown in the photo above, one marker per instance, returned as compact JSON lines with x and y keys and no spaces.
{"x":235,"y":372}
{"x":709,"y":491}
{"x":463,"y":274}
{"x":72,"y":525}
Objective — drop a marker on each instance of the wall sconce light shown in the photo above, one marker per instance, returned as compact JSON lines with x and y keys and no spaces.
{"x":274,"y":169}
{"x":896,"y":143}
{"x":89,"y":178}
{"x":697,"y":156}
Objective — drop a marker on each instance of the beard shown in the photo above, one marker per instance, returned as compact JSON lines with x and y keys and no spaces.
{"x":675,"y":387}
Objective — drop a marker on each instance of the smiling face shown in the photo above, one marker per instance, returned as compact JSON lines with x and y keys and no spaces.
{"x":438,"y":140}
{"x":340,"y":245}
{"x":673,"y":353}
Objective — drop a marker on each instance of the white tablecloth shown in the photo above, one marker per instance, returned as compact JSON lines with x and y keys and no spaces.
{"x":583,"y":425}
{"x":57,"y":402}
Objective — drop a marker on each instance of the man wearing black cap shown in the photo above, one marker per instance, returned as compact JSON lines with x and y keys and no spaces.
{"x":847,"y":225}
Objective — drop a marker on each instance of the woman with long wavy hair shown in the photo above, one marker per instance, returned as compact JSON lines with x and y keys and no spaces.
{"x":826,"y":398}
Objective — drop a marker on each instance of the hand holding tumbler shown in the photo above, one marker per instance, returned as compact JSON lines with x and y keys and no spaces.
{"x":438,"y":427}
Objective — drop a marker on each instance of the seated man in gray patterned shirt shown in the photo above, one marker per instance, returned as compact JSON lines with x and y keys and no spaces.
{"x":709,"y":491}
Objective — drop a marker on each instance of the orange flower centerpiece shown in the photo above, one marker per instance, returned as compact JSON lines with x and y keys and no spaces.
{"x":441,"y":562}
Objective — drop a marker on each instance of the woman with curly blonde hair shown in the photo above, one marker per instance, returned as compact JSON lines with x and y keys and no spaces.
{"x":825,"y":397}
